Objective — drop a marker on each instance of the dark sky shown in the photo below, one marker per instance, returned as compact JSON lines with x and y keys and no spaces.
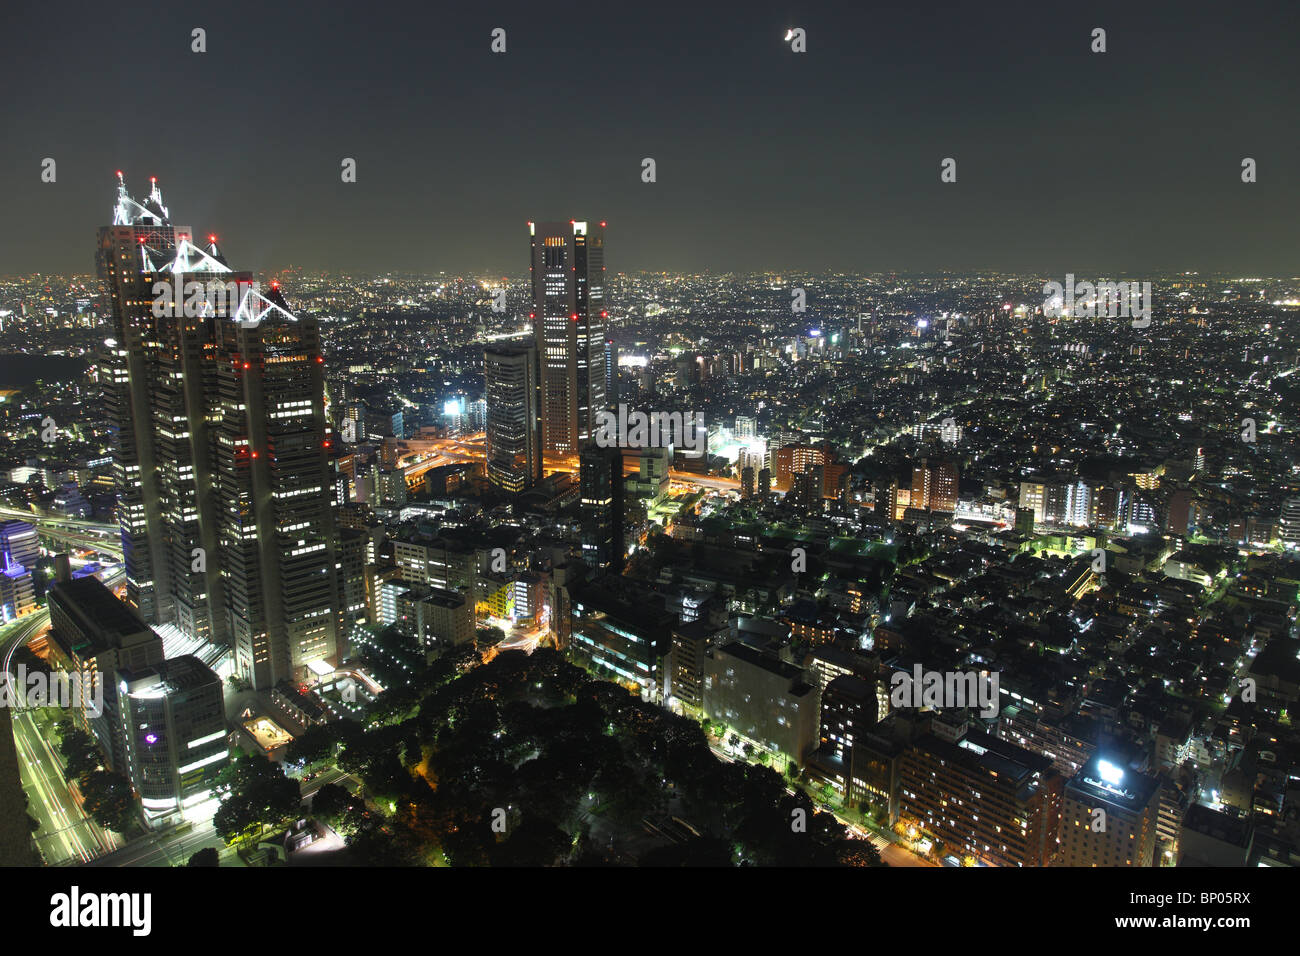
{"x":1066,"y":160}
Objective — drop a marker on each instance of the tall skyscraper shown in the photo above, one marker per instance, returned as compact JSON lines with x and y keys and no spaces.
{"x":514,"y":459}
{"x":216,"y":399}
{"x":600,"y":479}
{"x":568,"y":278}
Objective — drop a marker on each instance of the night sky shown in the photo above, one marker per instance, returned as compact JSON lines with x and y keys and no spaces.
{"x":1066,"y":160}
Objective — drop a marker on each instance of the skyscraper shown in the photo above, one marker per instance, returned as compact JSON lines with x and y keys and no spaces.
{"x":568,"y":278}
{"x":600,"y":478}
{"x":514,"y":459}
{"x":216,"y":400}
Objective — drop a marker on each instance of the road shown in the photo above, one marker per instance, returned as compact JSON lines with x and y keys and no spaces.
{"x":66,"y":833}
{"x":423,"y":454}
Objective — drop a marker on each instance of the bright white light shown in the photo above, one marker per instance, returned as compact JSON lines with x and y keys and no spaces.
{"x":1112,"y":774}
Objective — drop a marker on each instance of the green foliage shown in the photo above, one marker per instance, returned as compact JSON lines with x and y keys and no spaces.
{"x":208,"y":856}
{"x":536,"y":746}
{"x":109,"y":800}
{"x":256,"y":795}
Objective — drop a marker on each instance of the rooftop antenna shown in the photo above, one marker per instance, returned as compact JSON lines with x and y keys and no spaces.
{"x":155,"y":196}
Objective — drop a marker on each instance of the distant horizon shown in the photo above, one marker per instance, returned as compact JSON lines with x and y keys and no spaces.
{"x":766,"y":158}
{"x":1091,"y":273}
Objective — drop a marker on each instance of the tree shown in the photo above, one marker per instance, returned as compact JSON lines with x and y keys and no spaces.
{"x":330,"y":803}
{"x":208,"y":856}
{"x":81,"y":756}
{"x":257,"y":795}
{"x":109,"y":800}
{"x":320,"y":742}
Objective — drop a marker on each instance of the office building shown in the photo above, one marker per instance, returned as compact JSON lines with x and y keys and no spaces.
{"x":569,"y":317}
{"x":769,"y":702}
{"x":173,"y":728}
{"x":439,"y":620}
{"x":19,"y":545}
{"x":220,"y":451}
{"x":624,"y":629}
{"x":1110,"y":816}
{"x":600,"y":479}
{"x":514,"y":459}
{"x":93,"y":636}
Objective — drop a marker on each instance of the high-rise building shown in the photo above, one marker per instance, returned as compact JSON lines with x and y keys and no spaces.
{"x":982,"y":797}
{"x":600,"y":482}
{"x":848,"y":712}
{"x":934,"y":486}
{"x":18,"y":544}
{"x":514,"y":460}
{"x":1289,"y":523}
{"x":747,"y":481}
{"x":93,"y":636}
{"x":1110,"y":816}
{"x":220,"y":451}
{"x":173,"y":728}
{"x":568,"y":280}
{"x":611,"y":373}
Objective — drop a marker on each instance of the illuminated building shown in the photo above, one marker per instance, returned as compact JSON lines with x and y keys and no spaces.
{"x":690,"y":643}
{"x":514,"y":459}
{"x":623,"y":629}
{"x":18,"y":544}
{"x":569,"y":319}
{"x":173,"y":728}
{"x":934,"y":487}
{"x":981,"y":796}
{"x":1289,"y":523}
{"x":767,"y":701}
{"x":220,"y":449}
{"x":1109,"y":816}
{"x":437,"y":619}
{"x":600,"y":479}
{"x":94,"y":635}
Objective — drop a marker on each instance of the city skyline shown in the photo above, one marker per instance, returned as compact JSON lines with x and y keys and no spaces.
{"x":889,"y":458}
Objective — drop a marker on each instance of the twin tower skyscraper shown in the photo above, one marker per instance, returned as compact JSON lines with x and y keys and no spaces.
{"x":220,"y":447}
{"x":546,"y":397}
